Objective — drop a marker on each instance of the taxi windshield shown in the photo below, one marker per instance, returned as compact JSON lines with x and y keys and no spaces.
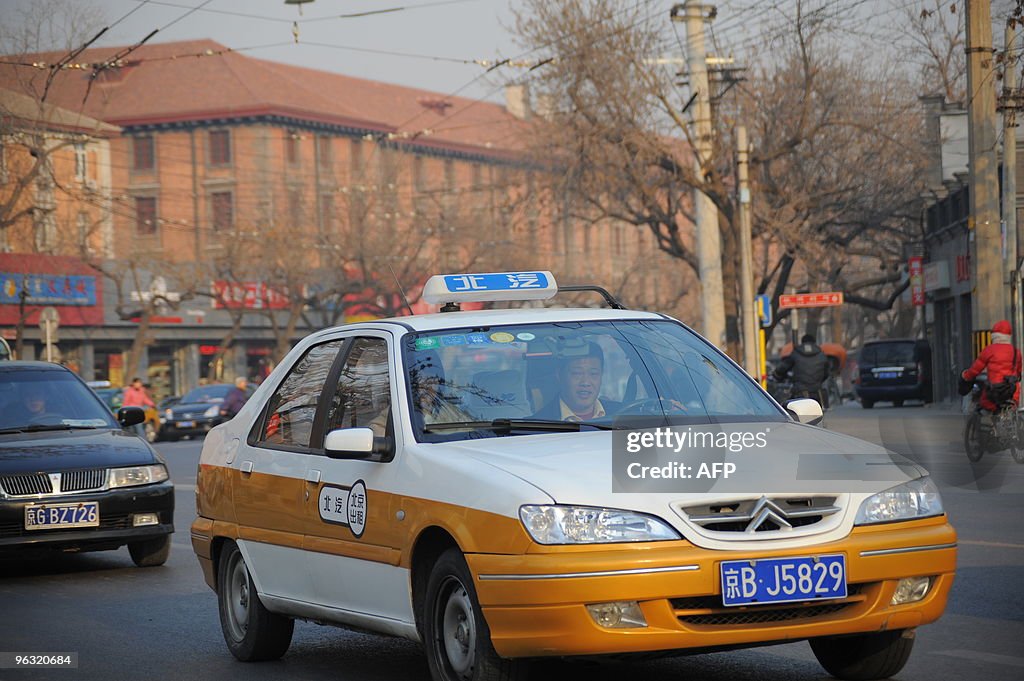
{"x":571,"y":376}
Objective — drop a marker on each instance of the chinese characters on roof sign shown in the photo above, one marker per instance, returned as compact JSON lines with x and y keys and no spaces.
{"x":455,"y":288}
{"x":47,"y":289}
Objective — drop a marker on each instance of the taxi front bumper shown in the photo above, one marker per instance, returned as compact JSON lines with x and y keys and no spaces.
{"x":534,"y":604}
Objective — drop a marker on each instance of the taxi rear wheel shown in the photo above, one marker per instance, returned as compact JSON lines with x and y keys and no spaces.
{"x":865,"y":656}
{"x":457,"y":638}
{"x":251,"y":631}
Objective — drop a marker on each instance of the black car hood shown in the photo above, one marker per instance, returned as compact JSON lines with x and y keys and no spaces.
{"x":192,"y":409}
{"x":72,"y":449}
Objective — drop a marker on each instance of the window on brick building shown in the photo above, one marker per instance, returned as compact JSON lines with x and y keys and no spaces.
{"x":325,"y":152}
{"x":220,"y":147}
{"x":327,"y":212}
{"x":145,"y":215}
{"x":222,"y":204}
{"x":81,"y":162}
{"x":295,"y":205}
{"x":143,"y":153}
{"x":291,"y":147}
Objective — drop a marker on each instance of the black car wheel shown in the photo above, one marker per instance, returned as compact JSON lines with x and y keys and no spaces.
{"x":867,"y":404}
{"x":252,"y":632}
{"x":150,"y":552}
{"x":897,"y":403}
{"x":866,"y":656}
{"x":457,"y":638}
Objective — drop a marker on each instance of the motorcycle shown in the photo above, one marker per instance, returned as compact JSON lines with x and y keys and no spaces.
{"x":991,"y":432}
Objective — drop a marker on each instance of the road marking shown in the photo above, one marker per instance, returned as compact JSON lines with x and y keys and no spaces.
{"x":1001,"y":544}
{"x":995,"y":658}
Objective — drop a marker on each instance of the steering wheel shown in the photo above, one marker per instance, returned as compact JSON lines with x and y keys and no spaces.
{"x":654,"y":406}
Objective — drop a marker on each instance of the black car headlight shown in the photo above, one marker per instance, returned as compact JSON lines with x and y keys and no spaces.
{"x":133,"y":476}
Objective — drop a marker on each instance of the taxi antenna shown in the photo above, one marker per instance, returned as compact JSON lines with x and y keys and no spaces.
{"x":405,"y":299}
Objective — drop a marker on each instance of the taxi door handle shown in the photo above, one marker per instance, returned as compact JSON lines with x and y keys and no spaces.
{"x":313,"y":476}
{"x":246,"y":467}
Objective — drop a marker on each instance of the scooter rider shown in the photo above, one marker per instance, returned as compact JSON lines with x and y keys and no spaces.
{"x":809,"y":366}
{"x":1000,"y":360}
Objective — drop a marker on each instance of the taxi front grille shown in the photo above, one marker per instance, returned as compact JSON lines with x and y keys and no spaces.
{"x":26,"y":484}
{"x":765,"y":616}
{"x":709,"y":611}
{"x":756,"y":516}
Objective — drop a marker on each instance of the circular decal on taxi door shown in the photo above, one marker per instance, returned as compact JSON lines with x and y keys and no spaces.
{"x":357,"y":508}
{"x":502,"y":337}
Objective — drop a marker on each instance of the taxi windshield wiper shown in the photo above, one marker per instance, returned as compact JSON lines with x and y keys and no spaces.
{"x":508,"y":425}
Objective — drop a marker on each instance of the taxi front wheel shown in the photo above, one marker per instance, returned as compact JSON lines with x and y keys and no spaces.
{"x":457,"y":638}
{"x":865,"y":656}
{"x":252,"y":632}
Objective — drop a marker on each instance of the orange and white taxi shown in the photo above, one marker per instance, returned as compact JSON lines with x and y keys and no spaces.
{"x":447,"y":478}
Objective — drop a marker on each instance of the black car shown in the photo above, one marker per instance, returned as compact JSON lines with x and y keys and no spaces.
{"x":196,"y":413}
{"x":894,"y":371}
{"x":71,"y":477}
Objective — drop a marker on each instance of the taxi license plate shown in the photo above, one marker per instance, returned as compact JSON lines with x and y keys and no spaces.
{"x":186,"y":424}
{"x":783,"y":580}
{"x":55,"y":516}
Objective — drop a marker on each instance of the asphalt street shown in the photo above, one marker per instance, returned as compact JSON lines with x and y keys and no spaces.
{"x":161,"y":623}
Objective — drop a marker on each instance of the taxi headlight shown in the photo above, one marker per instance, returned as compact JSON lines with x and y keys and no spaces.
{"x":589,"y":525}
{"x":915,"y":499}
{"x":212,"y":411}
{"x":137,"y":475}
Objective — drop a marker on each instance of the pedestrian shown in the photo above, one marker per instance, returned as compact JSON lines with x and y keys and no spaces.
{"x":135,"y":395}
{"x":235,"y":398}
{"x":809,"y":366}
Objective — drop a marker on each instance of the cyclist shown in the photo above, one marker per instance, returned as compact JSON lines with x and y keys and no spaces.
{"x":1001,"y":360}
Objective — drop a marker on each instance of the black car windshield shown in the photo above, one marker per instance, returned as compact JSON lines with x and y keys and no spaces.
{"x":34,"y":399}
{"x":885,"y":354}
{"x":213,"y":394}
{"x":516,"y":380}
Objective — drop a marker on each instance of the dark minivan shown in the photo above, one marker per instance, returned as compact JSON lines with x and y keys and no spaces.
{"x":894,"y":371}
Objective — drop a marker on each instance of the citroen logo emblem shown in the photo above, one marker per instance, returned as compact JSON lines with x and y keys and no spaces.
{"x":765,"y":510}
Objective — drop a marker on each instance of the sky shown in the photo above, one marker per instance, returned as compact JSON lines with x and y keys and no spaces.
{"x":452,"y":29}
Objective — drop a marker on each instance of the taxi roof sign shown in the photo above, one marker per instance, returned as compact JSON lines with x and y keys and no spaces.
{"x":491,"y":286}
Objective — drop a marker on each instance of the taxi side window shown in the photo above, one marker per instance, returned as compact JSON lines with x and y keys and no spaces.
{"x":290,"y":413}
{"x":362,"y":398}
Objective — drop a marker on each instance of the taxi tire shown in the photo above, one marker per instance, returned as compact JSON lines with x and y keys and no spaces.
{"x":267,"y":635}
{"x":150,"y":552}
{"x":864,"y":657}
{"x":448,"y":574}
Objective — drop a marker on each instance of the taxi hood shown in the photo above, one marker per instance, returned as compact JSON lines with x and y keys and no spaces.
{"x":577,"y":468}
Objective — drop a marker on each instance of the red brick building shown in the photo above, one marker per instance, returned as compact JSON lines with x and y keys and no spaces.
{"x":256,"y":174}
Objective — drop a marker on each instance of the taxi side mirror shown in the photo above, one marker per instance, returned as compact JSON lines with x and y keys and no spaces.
{"x":130,"y":416}
{"x":356,"y":443}
{"x":806,"y":411}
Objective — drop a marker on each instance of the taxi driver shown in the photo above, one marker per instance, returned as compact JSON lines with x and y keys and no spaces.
{"x":579,"y":389}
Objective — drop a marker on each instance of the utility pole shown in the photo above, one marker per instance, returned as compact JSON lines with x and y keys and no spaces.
{"x":988,"y":303}
{"x":1009,"y":104}
{"x":749,"y":325}
{"x":709,"y":248}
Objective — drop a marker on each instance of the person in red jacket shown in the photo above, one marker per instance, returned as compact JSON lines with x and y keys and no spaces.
{"x":1000,"y":359}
